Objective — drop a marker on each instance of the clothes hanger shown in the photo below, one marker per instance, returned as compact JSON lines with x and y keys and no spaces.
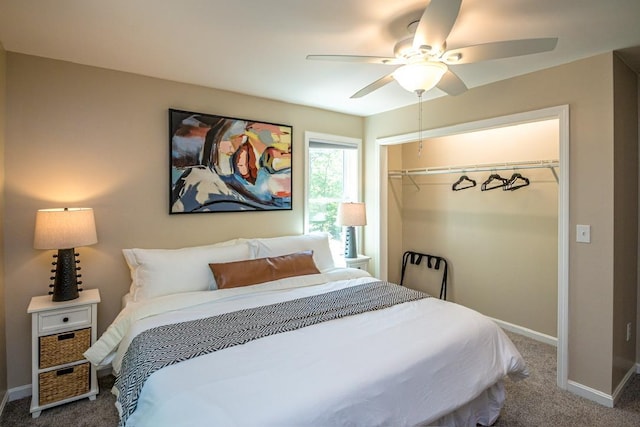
{"x":463,"y":178}
{"x":516,"y":181}
{"x":494,"y":177}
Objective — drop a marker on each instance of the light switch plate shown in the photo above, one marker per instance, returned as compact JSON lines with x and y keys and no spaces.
{"x":583,"y":233}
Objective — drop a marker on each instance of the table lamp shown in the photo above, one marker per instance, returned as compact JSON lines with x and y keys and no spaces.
{"x":351,"y":215}
{"x":65,"y":229}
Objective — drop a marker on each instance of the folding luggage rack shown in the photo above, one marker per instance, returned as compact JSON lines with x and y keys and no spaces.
{"x":433,"y":261}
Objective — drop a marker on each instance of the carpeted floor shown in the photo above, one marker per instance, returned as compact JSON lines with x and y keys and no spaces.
{"x":535,"y":401}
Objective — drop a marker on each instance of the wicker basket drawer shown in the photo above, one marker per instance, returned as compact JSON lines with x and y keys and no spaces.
{"x":63,"y":383}
{"x":66,"y":347}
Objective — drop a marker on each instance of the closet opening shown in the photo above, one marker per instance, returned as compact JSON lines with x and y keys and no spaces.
{"x":492,"y":197}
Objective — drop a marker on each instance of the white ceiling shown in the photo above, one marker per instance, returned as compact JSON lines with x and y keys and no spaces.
{"x":258,"y":47}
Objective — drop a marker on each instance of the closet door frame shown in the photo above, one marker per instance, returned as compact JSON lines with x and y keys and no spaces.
{"x":561,"y":113}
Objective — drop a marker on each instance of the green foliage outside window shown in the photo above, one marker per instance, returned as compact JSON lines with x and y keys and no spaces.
{"x":325,"y":190}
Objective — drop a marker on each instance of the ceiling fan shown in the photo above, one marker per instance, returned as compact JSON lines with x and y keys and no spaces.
{"x":424,"y":60}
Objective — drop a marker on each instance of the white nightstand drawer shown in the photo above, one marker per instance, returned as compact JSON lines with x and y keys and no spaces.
{"x":67,"y":319}
{"x":361,"y":262}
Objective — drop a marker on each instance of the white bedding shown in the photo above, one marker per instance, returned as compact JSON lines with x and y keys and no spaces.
{"x":409,"y":364}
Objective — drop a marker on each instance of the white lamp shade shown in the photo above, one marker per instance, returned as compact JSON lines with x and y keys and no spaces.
{"x":64,"y":228}
{"x":352,"y":214}
{"x":420,"y":75}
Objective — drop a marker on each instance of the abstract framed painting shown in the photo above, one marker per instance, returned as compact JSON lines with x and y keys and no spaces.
{"x":225,"y":164}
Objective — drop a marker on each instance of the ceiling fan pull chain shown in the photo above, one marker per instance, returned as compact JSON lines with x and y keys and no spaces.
{"x":419,"y":92}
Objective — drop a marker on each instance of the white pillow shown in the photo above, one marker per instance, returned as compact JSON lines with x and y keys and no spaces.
{"x":157,"y":272}
{"x":278,"y":246}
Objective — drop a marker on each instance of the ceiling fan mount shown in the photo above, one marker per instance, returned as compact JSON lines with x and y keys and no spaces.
{"x":405,"y":50}
{"x":422,"y":60}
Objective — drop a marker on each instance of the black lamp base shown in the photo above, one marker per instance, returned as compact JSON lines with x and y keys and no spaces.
{"x":350,"y":250}
{"x":65,"y":281}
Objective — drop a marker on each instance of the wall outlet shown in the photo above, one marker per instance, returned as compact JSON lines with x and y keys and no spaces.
{"x":629,"y":331}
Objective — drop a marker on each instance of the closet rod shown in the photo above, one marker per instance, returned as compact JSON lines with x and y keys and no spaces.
{"x":485,"y":167}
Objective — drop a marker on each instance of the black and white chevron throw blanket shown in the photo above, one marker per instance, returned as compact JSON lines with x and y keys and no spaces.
{"x":167,"y":345}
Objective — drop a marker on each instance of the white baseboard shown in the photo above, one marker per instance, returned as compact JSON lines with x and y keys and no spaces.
{"x":608,"y":400}
{"x":19,"y":392}
{"x":618,"y":391}
{"x":590,"y":393}
{"x":530,"y":333}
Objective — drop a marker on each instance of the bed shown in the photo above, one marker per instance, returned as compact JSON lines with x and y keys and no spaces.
{"x":271,"y":333}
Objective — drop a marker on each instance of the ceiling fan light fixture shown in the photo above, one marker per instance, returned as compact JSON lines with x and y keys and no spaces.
{"x":420,"y":76}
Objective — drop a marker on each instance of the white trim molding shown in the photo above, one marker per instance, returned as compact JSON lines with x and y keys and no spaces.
{"x":608,"y":400}
{"x":329,"y":139}
{"x":590,"y":393}
{"x":529,"y":333}
{"x":381,"y":267}
{"x":562,"y":113}
{"x":19,"y":392}
{"x":492,"y":123}
{"x":625,"y":381}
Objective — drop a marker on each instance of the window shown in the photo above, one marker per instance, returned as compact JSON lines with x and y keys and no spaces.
{"x":332,"y":176}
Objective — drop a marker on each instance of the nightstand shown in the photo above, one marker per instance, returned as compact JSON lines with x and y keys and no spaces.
{"x":60,"y":333}
{"x":361,"y":262}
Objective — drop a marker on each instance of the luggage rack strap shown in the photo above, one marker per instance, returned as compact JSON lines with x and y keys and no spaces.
{"x":433,"y":261}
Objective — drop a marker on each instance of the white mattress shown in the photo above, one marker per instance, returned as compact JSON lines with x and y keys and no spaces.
{"x":409,"y":364}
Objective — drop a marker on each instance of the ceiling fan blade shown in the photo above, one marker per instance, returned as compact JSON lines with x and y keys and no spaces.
{"x":451,"y":84}
{"x":436,"y":23}
{"x":497,"y":50}
{"x":373,"y":86}
{"x":356,"y":58}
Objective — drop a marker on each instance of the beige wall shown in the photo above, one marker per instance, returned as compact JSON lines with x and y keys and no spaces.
{"x":587,"y":87}
{"x":501,"y":245}
{"x":3,"y":341}
{"x":625,"y":131}
{"x":83,"y":136}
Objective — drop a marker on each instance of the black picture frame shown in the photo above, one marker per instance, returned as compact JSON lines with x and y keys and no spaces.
{"x":227,"y":164}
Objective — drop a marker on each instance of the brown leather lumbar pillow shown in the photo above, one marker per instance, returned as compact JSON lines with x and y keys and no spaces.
{"x":254,"y":271}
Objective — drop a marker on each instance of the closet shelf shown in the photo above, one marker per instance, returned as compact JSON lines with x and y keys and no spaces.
{"x":485,"y":167}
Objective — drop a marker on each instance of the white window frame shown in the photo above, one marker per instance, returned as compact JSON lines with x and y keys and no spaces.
{"x":332,"y":140}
